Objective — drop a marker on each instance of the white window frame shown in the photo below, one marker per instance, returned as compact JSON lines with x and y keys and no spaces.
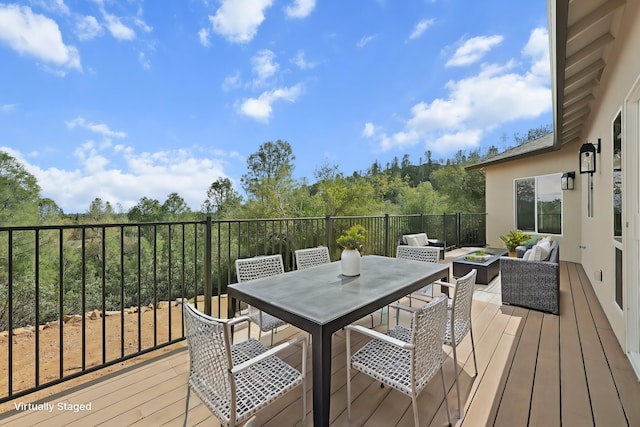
{"x":515,"y":195}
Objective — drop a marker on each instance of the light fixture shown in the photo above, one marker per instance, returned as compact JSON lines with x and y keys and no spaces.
{"x":588,"y":157}
{"x":566,"y":182}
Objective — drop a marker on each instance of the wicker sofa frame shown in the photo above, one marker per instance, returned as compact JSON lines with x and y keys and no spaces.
{"x":532,"y":284}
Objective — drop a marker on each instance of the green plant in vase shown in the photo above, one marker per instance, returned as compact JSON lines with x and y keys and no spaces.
{"x":352,"y":242}
{"x":353,"y":238}
{"x":514,"y":238}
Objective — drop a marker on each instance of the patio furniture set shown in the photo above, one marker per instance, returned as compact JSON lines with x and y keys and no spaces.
{"x":318,"y":299}
{"x":237,"y":380}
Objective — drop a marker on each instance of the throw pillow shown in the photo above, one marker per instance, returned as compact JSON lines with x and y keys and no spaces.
{"x":412,"y":241}
{"x":545,"y":249}
{"x":527,"y":255}
{"x":536,"y":253}
{"x":421,"y":238}
{"x":532,"y":241}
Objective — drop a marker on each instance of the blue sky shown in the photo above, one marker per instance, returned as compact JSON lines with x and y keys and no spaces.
{"x":124,"y":99}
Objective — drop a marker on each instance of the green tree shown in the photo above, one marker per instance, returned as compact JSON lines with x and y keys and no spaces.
{"x":19,"y":193}
{"x":269,"y":179}
{"x":421,"y":199}
{"x":146,"y":210}
{"x":49,"y":210}
{"x":336,"y":194}
{"x":462,"y":190}
{"x":532,"y":134}
{"x":221,"y":198}
{"x":175,"y":207}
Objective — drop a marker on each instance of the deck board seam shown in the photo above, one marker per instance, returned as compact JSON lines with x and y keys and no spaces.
{"x":512,"y":358}
{"x":572,"y":284}
{"x":584,"y":283}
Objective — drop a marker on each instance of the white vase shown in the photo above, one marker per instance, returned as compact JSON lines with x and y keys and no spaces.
{"x":350,"y":262}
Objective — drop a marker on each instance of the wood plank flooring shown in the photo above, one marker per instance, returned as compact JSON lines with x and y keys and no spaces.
{"x":534,"y":369}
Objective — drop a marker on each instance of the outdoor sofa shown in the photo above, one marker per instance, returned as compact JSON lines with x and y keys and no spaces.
{"x":532,"y":284}
{"x":421,"y":239}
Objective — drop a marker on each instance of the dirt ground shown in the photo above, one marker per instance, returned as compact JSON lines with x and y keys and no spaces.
{"x":24,"y":348}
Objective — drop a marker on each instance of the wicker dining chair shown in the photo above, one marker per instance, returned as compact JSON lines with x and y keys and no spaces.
{"x":256,"y":268}
{"x":406,"y":366}
{"x":311,"y":257}
{"x":458,"y":322}
{"x":235,"y":381}
{"x":424,"y":254}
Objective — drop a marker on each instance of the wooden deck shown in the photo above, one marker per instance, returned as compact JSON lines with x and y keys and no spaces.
{"x":535,"y":369}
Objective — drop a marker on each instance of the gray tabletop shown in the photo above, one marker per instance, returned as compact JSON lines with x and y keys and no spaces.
{"x":321,"y":294}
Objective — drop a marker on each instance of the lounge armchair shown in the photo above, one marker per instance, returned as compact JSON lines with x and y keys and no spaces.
{"x":532,"y":284}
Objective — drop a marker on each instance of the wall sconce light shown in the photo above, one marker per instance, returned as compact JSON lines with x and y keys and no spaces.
{"x":567,"y":180}
{"x":588,"y":157}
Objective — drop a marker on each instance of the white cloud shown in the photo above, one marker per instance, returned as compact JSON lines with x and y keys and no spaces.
{"x":142,"y":25}
{"x":142,"y":59}
{"x":5,"y":108}
{"x":300,"y":8}
{"x":264,"y":66}
{"x":121,"y":176}
{"x":203,"y":35}
{"x":231,"y":82}
{"x":56,"y":6}
{"x":369,"y":130}
{"x":537,"y":48}
{"x":365,"y":40}
{"x":421,"y":27}
{"x":473,"y":50}
{"x":37,"y":36}
{"x":301,"y":62}
{"x":497,"y":94}
{"x":88,"y":28}
{"x":99,"y":128}
{"x":117,"y":28}
{"x":260,"y":108}
{"x":238,"y":20}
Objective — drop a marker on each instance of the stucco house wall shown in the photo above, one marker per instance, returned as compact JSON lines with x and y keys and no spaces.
{"x":623,"y":72}
{"x":500,"y":197}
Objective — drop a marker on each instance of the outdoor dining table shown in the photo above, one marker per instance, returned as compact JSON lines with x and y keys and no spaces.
{"x":321,"y":301}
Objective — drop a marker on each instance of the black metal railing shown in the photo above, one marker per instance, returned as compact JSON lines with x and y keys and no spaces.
{"x":110,"y":292}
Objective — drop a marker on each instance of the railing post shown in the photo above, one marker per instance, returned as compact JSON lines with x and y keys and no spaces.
{"x":444,"y":229}
{"x":327,"y":228}
{"x":207,"y":266}
{"x":458,"y":227}
{"x":386,"y":234}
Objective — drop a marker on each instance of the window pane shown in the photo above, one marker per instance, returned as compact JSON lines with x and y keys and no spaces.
{"x":617,"y":178}
{"x":525,"y":204}
{"x":549,"y":204}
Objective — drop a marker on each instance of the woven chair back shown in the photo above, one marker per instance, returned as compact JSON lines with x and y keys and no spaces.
{"x":311,"y":257}
{"x":418,"y":253}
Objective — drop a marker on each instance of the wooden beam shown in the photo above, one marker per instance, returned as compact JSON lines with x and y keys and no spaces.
{"x":593,"y":68}
{"x":580,"y":91}
{"x":595,"y":16}
{"x":579,"y":102}
{"x":576,"y":115}
{"x":589,"y":49}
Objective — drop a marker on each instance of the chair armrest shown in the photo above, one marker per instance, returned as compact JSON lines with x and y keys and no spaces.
{"x":403,"y":307}
{"x":272,"y":352}
{"x":237,"y":320}
{"x":445,"y":284}
{"x":379,"y":336}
